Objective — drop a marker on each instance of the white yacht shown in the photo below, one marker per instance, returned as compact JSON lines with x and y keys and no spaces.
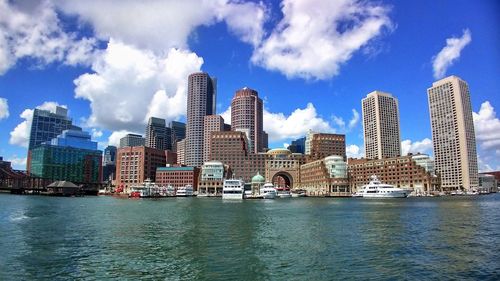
{"x":184,"y":191}
{"x":268,"y":191}
{"x":147,"y":189}
{"x":233,"y":189}
{"x":283,"y":192}
{"x":376,"y":189}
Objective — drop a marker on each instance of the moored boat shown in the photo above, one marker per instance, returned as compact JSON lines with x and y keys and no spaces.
{"x":233,"y":189}
{"x":377,"y":189}
{"x":185,"y":191}
{"x":268,"y":191}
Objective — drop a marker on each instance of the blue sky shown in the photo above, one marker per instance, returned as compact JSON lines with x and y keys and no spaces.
{"x":312,"y":62}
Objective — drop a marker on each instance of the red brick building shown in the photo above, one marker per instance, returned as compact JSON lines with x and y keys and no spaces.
{"x":177,"y":176}
{"x":134,"y":164}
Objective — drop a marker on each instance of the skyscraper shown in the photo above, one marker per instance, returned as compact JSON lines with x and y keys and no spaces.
{"x":321,"y":145}
{"x":213,"y":123}
{"x":453,"y":135}
{"x":132,"y":140}
{"x":381,"y":126}
{"x":246,"y":116}
{"x":178,"y":133}
{"x":201,"y":102}
{"x":156,"y":133}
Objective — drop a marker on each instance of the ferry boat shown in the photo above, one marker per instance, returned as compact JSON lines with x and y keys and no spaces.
{"x":148,"y":189}
{"x":376,"y":189}
{"x":283,"y":192}
{"x":298,"y":193}
{"x":233,"y":189}
{"x":268,"y":191}
{"x":184,"y":191}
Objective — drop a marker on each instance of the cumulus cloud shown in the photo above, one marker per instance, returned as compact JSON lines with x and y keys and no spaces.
{"x":354,"y":151}
{"x":450,"y":53}
{"x":423,"y":146}
{"x":341,"y":124}
{"x":17,"y":162}
{"x":4,"y":109}
{"x":33,"y":30}
{"x":281,"y":127}
{"x":314,"y":38}
{"x":21,"y":133}
{"x":161,"y":25}
{"x":140,"y":84}
{"x":487,"y":127}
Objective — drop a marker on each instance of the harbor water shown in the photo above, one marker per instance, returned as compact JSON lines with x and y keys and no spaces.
{"x":107,"y":238}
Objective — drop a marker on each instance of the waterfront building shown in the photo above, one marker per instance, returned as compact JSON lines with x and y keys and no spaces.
{"x":424,"y":161}
{"x":177,"y":176}
{"x":132,"y":140}
{"x":201,"y":102}
{"x":298,"y":146}
{"x":257,"y":183}
{"x":157,"y":134}
{"x":402,"y":172}
{"x":231,"y":148}
{"x":212,"y":123}
{"x":135,"y":164}
{"x":178,"y":133}
{"x":45,"y":126}
{"x":453,"y":135}
{"x":71,"y":156}
{"x":213,"y":174}
{"x":381,"y":126}
{"x":321,"y":145}
{"x":282,"y":167}
{"x":487,"y":183}
{"x":247,"y":116}
{"x":181,"y":152}
{"x":325,"y":177}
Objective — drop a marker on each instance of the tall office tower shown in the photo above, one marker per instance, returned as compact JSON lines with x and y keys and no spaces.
{"x":201,"y":102}
{"x":381,"y":126}
{"x":46,"y":125}
{"x":298,"y":145}
{"x":246,"y":116}
{"x":132,"y":140}
{"x":109,"y":155}
{"x":321,"y":145}
{"x":212,"y":123}
{"x":178,"y":133}
{"x":156,"y":133}
{"x":181,"y":152}
{"x":453,"y":133}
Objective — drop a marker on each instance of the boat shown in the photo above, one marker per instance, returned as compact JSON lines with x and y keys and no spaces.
{"x":283,"y":192}
{"x":268,"y":191}
{"x":185,"y":191}
{"x":359,"y":193}
{"x":376,"y":189}
{"x":233,"y":189}
{"x":298,"y":193}
{"x":147,"y":189}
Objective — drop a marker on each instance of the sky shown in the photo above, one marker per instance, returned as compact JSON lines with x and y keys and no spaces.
{"x":115,"y":63}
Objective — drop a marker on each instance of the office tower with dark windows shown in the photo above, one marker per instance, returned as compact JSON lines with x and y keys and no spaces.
{"x":453,"y":135}
{"x":381,"y":126}
{"x":109,"y":163}
{"x":200,"y":103}
{"x":132,"y":140}
{"x":178,"y":133}
{"x":247,"y":117}
{"x":156,"y":133}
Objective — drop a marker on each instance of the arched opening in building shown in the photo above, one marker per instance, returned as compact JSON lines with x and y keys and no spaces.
{"x":282,"y":180}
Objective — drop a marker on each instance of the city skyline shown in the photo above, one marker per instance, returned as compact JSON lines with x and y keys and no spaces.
{"x":323,"y":97}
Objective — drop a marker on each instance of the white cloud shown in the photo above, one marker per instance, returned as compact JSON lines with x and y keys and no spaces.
{"x":423,"y":146}
{"x":226,"y":115}
{"x":341,"y":124}
{"x":96,"y":133}
{"x":354,"y":151}
{"x":140,"y":84}
{"x":21,"y":133}
{"x":450,"y":53}
{"x":315,"y":38}
{"x":33,"y":30}
{"x":487,"y":127}
{"x":4,"y":108}
{"x":114,"y":138}
{"x":161,"y":25}
{"x":18,"y":162}
{"x":281,"y":127}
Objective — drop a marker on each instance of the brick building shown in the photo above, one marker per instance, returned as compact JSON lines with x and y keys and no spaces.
{"x":325,"y":177}
{"x":177,"y":176}
{"x":134,"y":164}
{"x":321,"y":145}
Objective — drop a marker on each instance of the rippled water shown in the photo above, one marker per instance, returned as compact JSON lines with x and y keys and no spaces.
{"x":99,"y":238}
